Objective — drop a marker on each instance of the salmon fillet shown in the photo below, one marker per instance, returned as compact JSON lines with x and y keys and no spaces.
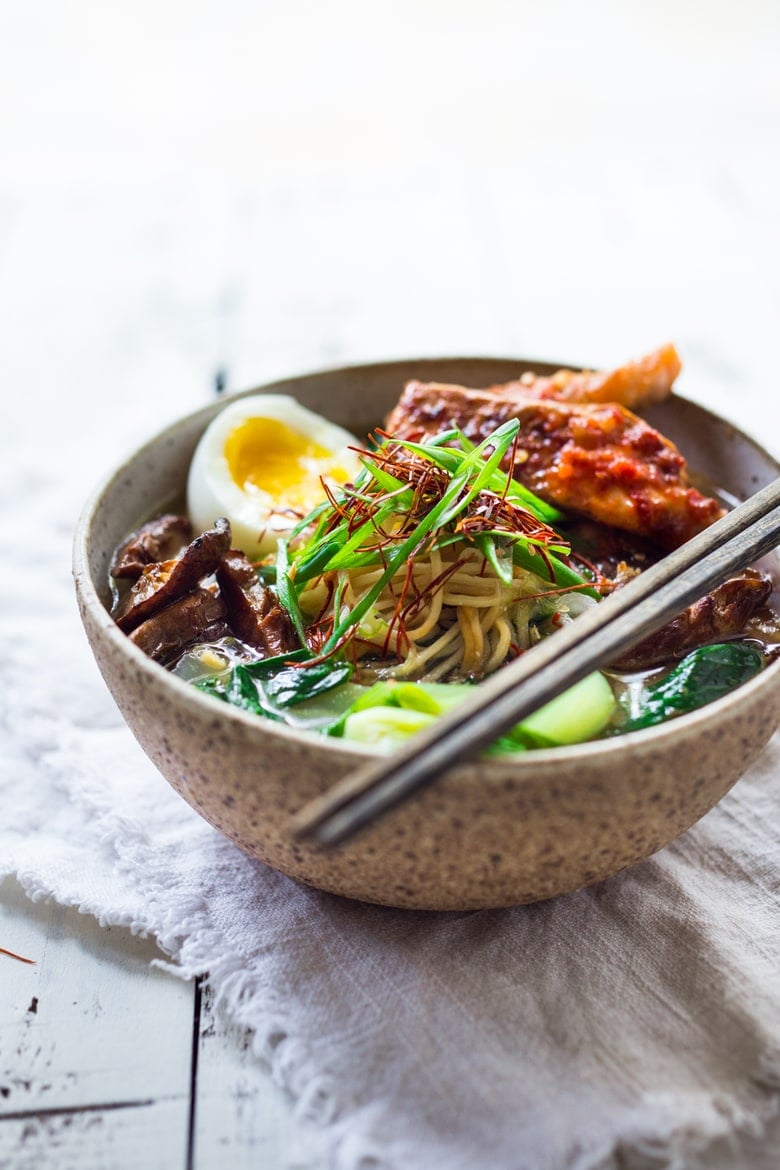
{"x":595,"y":459}
{"x":635,"y":384}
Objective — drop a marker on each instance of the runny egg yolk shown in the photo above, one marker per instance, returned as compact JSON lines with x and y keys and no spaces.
{"x":260,"y":463}
{"x":268,"y":456}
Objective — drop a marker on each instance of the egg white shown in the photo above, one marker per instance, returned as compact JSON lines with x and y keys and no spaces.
{"x":212,"y":490}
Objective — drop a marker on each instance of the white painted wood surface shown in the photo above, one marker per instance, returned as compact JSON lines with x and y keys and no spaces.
{"x":262,"y":189}
{"x":189,"y":1093}
{"x":95,"y":1044}
{"x":107,"y":1061}
{"x":240,"y":1117}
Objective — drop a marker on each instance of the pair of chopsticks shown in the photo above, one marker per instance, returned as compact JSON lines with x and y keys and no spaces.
{"x":594,"y":640}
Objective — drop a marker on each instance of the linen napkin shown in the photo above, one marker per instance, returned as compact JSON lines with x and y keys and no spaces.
{"x":629,"y":1025}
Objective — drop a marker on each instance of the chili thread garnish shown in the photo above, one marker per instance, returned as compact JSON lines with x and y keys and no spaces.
{"x":19,"y":958}
{"x":409,"y":498}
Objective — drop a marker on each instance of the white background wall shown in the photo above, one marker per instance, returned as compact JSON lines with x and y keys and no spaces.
{"x":272,"y":187}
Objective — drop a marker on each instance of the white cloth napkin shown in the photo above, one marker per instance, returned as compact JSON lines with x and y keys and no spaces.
{"x":628,"y":1025}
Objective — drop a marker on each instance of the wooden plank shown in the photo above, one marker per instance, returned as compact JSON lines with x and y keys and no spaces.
{"x":126,"y":1138}
{"x":241,"y":1118}
{"x":90,"y":1025}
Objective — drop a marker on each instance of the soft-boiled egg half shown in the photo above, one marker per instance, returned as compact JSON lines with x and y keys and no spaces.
{"x":260,"y":463}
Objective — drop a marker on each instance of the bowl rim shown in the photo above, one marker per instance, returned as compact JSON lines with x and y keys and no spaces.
{"x":590,"y":751}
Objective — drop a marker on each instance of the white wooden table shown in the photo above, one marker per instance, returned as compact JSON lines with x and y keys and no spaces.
{"x":109,"y":1062}
{"x":249,"y":192}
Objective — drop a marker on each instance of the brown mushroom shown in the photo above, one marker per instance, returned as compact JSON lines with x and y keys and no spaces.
{"x":253,"y":612}
{"x":158,"y":540}
{"x":161,"y":584}
{"x":199,"y":616}
{"x":720,"y":614}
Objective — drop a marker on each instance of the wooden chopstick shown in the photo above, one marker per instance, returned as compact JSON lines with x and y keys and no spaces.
{"x":593,"y":640}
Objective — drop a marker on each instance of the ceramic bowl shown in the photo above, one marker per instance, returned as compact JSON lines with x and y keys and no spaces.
{"x":489,"y":833}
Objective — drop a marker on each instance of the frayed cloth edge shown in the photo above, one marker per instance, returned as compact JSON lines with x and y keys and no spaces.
{"x":186,"y":936}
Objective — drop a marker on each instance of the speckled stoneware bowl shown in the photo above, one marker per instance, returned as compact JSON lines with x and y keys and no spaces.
{"x":490,"y":833}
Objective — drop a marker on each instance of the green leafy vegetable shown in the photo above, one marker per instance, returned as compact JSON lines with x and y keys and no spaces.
{"x":385,"y":727}
{"x":462,"y":488}
{"x":410,"y":497}
{"x":286,"y":592}
{"x":704,"y":675}
{"x":389,"y":712}
{"x":563,"y":575}
{"x":268,"y":666}
{"x":238,"y":689}
{"x":451,"y":459}
{"x":498,"y":555}
{"x":578,"y":714}
{"x":296,"y":684}
{"x":271,"y":691}
{"x":407,"y":499}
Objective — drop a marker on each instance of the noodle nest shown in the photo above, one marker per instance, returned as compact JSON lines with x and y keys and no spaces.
{"x":444,"y":616}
